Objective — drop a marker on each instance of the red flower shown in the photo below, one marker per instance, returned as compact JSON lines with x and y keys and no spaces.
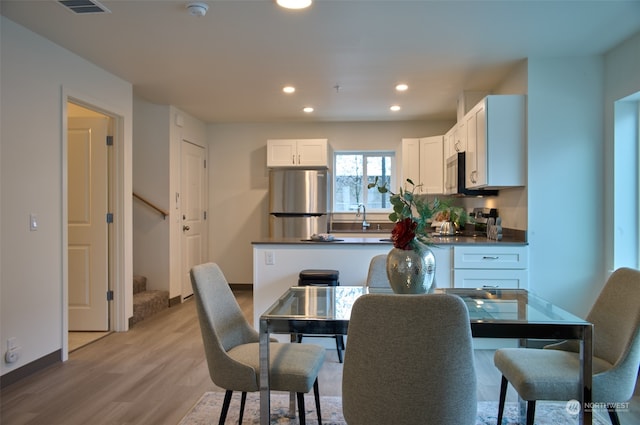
{"x":403,"y":233}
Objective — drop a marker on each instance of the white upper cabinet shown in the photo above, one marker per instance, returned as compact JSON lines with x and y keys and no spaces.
{"x":495,"y":130}
{"x":422,"y":163}
{"x":297,"y":153}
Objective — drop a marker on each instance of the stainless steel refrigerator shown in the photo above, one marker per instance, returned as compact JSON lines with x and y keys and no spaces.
{"x":298,"y":202}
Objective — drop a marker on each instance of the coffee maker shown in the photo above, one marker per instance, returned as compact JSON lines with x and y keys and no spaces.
{"x":481,"y":216}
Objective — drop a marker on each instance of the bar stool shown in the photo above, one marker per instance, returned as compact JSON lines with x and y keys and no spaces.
{"x":322,"y":277}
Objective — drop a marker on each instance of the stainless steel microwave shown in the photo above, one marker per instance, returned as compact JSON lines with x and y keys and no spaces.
{"x":454,"y":178}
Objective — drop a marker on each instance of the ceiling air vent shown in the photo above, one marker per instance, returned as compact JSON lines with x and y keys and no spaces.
{"x":84,"y":7}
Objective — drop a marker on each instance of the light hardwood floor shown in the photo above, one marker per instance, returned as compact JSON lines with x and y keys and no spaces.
{"x":154,"y":373}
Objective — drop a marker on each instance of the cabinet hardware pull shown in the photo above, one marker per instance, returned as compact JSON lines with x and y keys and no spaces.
{"x":487,"y":257}
{"x":293,"y":159}
{"x":490,"y":286}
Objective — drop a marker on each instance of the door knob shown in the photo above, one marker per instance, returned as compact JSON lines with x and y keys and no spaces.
{"x":185,"y":228}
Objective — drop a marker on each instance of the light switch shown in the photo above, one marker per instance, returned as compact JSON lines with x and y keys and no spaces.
{"x":33,"y":222}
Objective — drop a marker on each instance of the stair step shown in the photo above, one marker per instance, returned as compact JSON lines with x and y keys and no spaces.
{"x":139,"y":284}
{"x":148,"y":303}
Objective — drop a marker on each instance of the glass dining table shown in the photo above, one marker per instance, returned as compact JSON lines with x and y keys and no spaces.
{"x":493,"y":313}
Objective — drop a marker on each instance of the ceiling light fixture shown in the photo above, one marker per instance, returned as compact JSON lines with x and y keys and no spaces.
{"x":395,"y":108}
{"x":288,"y":89}
{"x":402,"y":87}
{"x":197,"y":9}
{"x":308,"y":109}
{"x":294,"y":4}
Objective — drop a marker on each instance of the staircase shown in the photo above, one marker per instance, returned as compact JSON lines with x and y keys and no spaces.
{"x":146,"y":303}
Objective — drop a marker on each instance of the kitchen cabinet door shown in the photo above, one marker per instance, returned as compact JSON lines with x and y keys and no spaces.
{"x":411,"y":161}
{"x":281,"y":153}
{"x":297,"y":153}
{"x":422,"y":162}
{"x":495,"y":130}
{"x":312,"y":152}
{"x":432,"y":165}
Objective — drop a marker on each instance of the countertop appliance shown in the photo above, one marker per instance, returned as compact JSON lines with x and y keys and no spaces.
{"x":454,"y":178}
{"x":298,"y":202}
{"x":481,"y":216}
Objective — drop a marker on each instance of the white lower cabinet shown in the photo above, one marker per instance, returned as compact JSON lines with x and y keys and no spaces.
{"x":491,"y":266}
{"x":490,"y":279}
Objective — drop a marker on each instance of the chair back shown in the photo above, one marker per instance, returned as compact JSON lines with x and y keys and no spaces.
{"x":223,"y":326}
{"x":377,"y":276}
{"x":409,"y":360}
{"x":616,"y":327}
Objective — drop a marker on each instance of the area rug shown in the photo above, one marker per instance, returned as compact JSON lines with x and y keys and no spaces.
{"x":207,"y":411}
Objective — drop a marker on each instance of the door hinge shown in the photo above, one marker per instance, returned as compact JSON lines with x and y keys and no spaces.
{"x":109,"y":218}
{"x":109,"y":140}
{"x":205,"y":215}
{"x":205,"y":163}
{"x":109,"y":295}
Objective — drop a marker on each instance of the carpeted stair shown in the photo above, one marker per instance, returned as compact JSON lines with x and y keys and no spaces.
{"x":146,"y":303}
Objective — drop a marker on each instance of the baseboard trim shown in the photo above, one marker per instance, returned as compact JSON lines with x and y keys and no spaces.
{"x":30,"y":368}
{"x":241,"y":286}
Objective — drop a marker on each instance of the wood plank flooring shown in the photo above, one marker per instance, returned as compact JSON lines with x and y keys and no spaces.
{"x":154,"y":373}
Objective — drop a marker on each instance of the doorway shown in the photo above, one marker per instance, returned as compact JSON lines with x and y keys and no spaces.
{"x":89,"y":176}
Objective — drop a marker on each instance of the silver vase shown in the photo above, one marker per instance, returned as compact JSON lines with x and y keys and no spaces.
{"x":411,"y":271}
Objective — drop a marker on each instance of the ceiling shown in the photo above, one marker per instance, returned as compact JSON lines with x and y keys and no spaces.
{"x":344,"y":57}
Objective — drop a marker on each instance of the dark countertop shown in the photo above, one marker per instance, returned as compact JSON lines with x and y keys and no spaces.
{"x":383,"y":239}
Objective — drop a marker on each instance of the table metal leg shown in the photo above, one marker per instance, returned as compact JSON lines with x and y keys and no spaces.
{"x":265,"y":402}
{"x":292,"y":395}
{"x":586,"y":375}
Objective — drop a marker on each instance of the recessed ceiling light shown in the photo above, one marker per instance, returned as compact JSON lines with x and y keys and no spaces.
{"x":288,"y":89}
{"x":308,"y":109}
{"x":294,"y":4}
{"x":395,"y":108}
{"x":402,"y":87}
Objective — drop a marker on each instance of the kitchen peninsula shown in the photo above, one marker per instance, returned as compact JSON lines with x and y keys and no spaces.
{"x":461,"y":261}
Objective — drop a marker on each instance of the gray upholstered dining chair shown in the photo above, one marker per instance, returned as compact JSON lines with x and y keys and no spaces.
{"x":409,"y":361}
{"x":377,"y":276}
{"x":553,"y":372}
{"x":232,"y":349}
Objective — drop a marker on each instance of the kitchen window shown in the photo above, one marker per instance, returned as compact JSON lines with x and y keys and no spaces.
{"x":353,"y":171}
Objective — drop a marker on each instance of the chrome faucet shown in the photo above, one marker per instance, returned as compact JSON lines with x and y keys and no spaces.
{"x":365,"y":225}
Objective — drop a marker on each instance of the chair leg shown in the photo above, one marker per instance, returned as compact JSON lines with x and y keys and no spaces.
{"x":613,"y":415}
{"x":316,"y":394}
{"x":339,"y":344}
{"x":503,"y":395}
{"x":243,"y":400}
{"x":531,"y":411}
{"x":301,"y":410}
{"x":225,"y":406}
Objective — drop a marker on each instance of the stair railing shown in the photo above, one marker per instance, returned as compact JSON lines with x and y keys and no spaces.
{"x":159,"y":210}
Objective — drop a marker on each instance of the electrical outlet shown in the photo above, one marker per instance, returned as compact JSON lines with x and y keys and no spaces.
{"x":269,"y":258}
{"x":13,"y":350}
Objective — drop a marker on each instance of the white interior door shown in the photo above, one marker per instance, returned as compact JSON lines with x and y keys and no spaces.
{"x":193,"y":194}
{"x":88,"y":238}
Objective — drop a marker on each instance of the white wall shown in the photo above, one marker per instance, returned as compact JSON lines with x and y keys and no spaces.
{"x":238,"y":179}
{"x":622,"y":81}
{"x":151,"y":159}
{"x":565,"y":179}
{"x":158,"y":135}
{"x":35,"y":73}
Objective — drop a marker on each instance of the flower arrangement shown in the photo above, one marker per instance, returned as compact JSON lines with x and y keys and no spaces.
{"x":409,"y":226}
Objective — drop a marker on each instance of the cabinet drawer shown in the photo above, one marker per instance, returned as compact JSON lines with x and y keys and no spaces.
{"x":490,"y":257}
{"x":503,"y":279}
